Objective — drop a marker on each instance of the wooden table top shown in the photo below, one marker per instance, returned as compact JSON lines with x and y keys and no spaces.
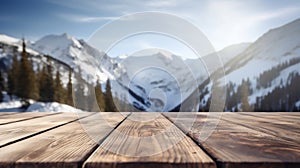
{"x":149,"y":140}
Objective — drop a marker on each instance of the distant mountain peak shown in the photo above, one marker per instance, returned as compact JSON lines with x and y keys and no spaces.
{"x":8,"y":39}
{"x":66,"y":35}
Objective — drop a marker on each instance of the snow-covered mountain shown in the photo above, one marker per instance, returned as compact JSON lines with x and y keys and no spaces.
{"x":232,"y":51}
{"x":65,"y":53}
{"x":267,"y":65}
{"x":75,"y":53}
{"x":274,"y":47}
{"x":159,"y":81}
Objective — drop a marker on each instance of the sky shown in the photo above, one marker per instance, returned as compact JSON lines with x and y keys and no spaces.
{"x":224,"y":22}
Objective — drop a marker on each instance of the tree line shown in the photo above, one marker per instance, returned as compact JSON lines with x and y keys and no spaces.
{"x":283,"y":97}
{"x":23,"y":81}
{"x":41,"y":83}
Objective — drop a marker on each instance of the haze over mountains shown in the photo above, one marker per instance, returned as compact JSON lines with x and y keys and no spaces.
{"x":260,"y":76}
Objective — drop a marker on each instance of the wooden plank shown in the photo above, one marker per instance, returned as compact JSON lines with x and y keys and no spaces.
{"x":234,"y":145}
{"x":16,"y":131}
{"x":284,"y":117}
{"x":65,"y":146}
{"x":274,"y":125}
{"x":7,"y":119}
{"x":8,"y":113}
{"x":148,"y":140}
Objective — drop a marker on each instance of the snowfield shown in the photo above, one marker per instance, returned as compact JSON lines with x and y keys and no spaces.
{"x":14,"y":105}
{"x":51,"y":107}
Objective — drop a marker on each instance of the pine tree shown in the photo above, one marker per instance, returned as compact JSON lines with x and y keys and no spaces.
{"x":244,"y":97}
{"x":26,"y":82}
{"x":79,"y":96}
{"x":80,"y":100}
{"x":46,"y":85}
{"x":91,"y":102}
{"x":59,"y":90}
{"x":69,"y":94}
{"x":109,"y":102}
{"x":1,"y":85}
{"x":100,"y":97}
{"x":12,"y":75}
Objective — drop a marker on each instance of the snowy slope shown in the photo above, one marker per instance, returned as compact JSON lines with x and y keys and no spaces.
{"x":9,"y":40}
{"x":276,"y":47}
{"x":75,"y":53}
{"x":161,"y":80}
{"x":232,"y":51}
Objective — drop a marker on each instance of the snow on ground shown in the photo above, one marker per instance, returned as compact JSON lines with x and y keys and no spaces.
{"x":298,"y":104}
{"x":51,"y":107}
{"x":14,"y":105}
{"x":10,"y":105}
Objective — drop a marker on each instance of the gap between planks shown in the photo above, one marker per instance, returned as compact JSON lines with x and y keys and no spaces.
{"x":148,"y":140}
{"x":66,"y":146}
{"x":7,"y":119}
{"x":14,"y":132}
{"x":234,"y":145}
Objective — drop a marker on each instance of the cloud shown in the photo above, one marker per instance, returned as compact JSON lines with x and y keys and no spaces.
{"x":275,"y":14}
{"x":235,"y":21}
{"x":163,"y":3}
{"x":225,"y":22}
{"x":85,"y":19}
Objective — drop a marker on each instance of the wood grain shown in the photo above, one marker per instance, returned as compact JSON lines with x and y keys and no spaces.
{"x":20,"y":130}
{"x":283,"y":117}
{"x":148,"y":140}
{"x":7,"y":119}
{"x":285,"y":130}
{"x":65,"y":146}
{"x":234,"y":145}
{"x":8,"y":113}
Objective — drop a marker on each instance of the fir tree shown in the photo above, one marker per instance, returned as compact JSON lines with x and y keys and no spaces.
{"x":46,"y":86}
{"x":69,"y":97}
{"x":91,"y":102}
{"x":109,"y":102}
{"x":26,"y":82}
{"x":79,"y":99}
{"x":244,"y":97}
{"x":100,"y":97}
{"x":1,"y":86}
{"x":59,"y":90}
{"x":12,"y":75}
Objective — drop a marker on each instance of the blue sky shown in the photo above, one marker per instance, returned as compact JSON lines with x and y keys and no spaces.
{"x":224,"y":22}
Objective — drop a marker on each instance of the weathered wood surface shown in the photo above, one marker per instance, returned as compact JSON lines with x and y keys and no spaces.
{"x":8,"y":113}
{"x":24,"y":129}
{"x":66,"y":146}
{"x":6,"y":119}
{"x":235,"y":145}
{"x":149,"y":140}
{"x":281,"y":127}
